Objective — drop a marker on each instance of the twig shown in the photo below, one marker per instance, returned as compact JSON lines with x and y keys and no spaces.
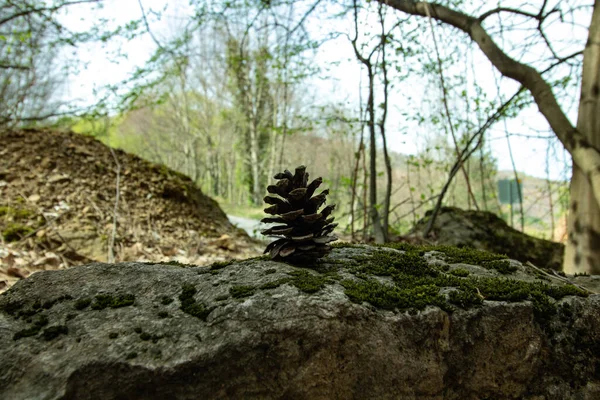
{"x":111,"y":243}
{"x":560,"y":278}
{"x":447,"y":109}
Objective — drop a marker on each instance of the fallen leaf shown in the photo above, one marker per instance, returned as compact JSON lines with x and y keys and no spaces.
{"x":15,"y":272}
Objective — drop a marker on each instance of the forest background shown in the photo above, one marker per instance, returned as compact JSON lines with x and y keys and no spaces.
{"x":392,"y":111}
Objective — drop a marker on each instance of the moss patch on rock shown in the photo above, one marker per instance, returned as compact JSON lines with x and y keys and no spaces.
{"x":414,"y":284}
{"x":461,"y":272}
{"x":309,"y":282}
{"x":34,"y":329}
{"x":190,"y":306}
{"x":390,"y":297}
{"x":55,"y":331}
{"x":219,"y":265}
{"x":82,"y":303}
{"x":241,"y":291}
{"x":103,"y":301}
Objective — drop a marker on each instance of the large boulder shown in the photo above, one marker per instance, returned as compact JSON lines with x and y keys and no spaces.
{"x":364,"y":323}
{"x":484,"y":230}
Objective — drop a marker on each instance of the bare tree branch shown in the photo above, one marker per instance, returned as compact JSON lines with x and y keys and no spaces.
{"x":33,"y":10}
{"x":584,"y":154}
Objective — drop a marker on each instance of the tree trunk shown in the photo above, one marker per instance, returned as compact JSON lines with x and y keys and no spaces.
{"x":386,"y":157}
{"x":255,"y":165}
{"x":582,"y":253}
{"x":375,"y":220}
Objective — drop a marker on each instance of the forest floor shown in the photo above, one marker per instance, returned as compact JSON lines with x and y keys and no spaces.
{"x":58,"y":192}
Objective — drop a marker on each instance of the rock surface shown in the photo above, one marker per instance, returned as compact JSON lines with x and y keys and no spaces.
{"x":360,"y":325}
{"x":486,"y":231}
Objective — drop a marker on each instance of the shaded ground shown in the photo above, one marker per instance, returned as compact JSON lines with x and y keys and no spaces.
{"x":57,"y":203}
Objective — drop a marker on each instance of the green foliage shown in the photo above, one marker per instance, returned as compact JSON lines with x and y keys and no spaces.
{"x":15,"y":231}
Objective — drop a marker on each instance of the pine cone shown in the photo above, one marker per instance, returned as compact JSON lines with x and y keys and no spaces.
{"x":304,"y":232}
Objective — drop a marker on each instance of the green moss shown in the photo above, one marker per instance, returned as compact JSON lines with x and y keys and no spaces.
{"x":465,"y":299}
{"x":308,"y":282}
{"x":12,"y":307}
{"x":460,"y":272}
{"x":178,"y":264}
{"x":165,"y":300}
{"x":222,"y":297}
{"x":82,"y":303}
{"x":241,"y":291}
{"x":415,"y":284}
{"x":390,"y":297}
{"x":270,"y":271}
{"x":275,"y":284}
{"x":50,"y":303}
{"x":386,"y":263}
{"x":103,"y":301}
{"x":14,"y":232}
{"x":131,"y":355}
{"x":113,"y":335}
{"x":340,"y":245}
{"x":145,"y":336}
{"x":37,"y":326}
{"x":53,"y":332}
{"x":190,"y":306}
{"x":220,"y":265}
{"x":502,"y":266}
{"x":137,"y":329}
{"x":452,"y":254}
{"x":265,"y":257}
{"x":580,"y":274}
{"x":16,"y":213}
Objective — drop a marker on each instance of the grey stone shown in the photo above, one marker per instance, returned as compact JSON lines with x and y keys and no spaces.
{"x":486,"y":231}
{"x":282,"y":342}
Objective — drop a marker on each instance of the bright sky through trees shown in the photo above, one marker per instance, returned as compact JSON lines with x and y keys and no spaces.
{"x":339,"y":82}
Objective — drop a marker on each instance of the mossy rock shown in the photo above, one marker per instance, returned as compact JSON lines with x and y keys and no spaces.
{"x":484,"y":230}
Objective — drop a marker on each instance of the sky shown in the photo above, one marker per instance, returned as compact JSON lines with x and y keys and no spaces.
{"x":341,"y":85}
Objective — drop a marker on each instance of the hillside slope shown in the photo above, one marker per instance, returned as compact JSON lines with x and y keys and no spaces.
{"x":57,"y":202}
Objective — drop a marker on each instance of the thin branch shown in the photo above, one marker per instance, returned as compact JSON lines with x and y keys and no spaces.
{"x":509,"y":10}
{"x":33,"y":10}
{"x":465,"y":154}
{"x":111,"y":255}
{"x":447,"y":109}
{"x":13,"y":66}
